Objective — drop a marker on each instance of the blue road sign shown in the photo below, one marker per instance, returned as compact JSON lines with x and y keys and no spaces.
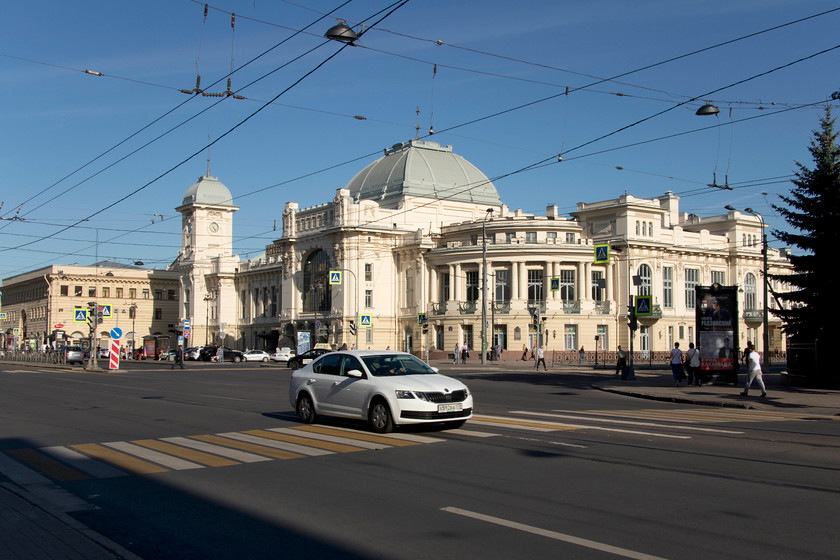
{"x":335,"y":277}
{"x":365,"y":321}
{"x":421,"y":318}
{"x":80,"y":315}
{"x":644,"y":306}
{"x":116,"y":333}
{"x":555,"y":284}
{"x":105,"y":309}
{"x":602,"y":254}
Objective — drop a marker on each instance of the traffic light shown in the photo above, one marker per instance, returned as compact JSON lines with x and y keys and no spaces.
{"x":353,"y":328}
{"x":91,"y":317}
{"x":425,"y":328}
{"x":633,"y":322}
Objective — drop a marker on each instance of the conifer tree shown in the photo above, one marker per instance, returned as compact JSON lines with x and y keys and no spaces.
{"x":812,"y":209}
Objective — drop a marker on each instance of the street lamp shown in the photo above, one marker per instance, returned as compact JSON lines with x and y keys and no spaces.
{"x":764,"y":318}
{"x":207,"y":299}
{"x":488,"y":214}
{"x":133,"y":312}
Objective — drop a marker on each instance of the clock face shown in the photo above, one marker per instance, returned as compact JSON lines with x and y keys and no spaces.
{"x":213,"y":227}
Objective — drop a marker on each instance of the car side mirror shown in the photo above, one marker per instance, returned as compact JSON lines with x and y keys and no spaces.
{"x":436,"y":370}
{"x":355,"y":373}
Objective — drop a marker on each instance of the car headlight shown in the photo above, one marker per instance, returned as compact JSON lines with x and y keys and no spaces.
{"x":404,"y":394}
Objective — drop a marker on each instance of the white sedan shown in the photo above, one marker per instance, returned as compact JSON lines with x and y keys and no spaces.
{"x":282,"y":355}
{"x":257,"y":356}
{"x":387,"y":389}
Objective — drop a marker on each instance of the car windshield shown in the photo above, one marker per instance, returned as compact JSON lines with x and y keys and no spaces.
{"x":396,"y":364}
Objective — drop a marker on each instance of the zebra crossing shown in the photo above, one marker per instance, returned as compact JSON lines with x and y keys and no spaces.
{"x":180,"y":453}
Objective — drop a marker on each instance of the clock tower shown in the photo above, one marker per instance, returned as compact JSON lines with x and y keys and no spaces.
{"x":207,"y":263}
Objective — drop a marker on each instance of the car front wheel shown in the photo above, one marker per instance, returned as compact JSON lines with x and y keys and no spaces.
{"x":305,"y":409}
{"x":294,"y":365}
{"x":379,"y":417}
{"x":265,"y":359}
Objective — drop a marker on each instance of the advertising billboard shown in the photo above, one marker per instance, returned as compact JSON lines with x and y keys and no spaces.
{"x":716,"y":313}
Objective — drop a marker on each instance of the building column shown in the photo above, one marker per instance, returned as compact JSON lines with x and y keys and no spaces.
{"x":514,"y":281}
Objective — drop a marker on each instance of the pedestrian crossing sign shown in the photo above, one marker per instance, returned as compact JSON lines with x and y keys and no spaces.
{"x":335,"y":277}
{"x":421,"y":318}
{"x":555,"y":284}
{"x":644,"y":308}
{"x":602,"y":254}
{"x":364,"y":321}
{"x":3,"y":316}
{"x":16,"y":331}
{"x":105,"y":310}
{"x":80,"y":315}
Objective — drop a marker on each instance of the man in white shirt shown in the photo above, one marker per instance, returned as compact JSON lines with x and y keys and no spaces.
{"x":754,"y":371}
{"x":541,"y":358}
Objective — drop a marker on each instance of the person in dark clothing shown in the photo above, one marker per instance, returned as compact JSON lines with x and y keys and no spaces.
{"x":179,"y":357}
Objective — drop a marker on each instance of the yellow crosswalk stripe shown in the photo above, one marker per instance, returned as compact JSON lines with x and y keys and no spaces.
{"x":250,"y":447}
{"x":185,"y":453}
{"x":47,"y":465}
{"x":337,"y":447}
{"x":358,"y":435}
{"x":122,"y":460}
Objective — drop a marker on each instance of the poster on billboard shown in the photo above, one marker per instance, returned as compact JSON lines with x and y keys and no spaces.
{"x":304,"y":342}
{"x":716,"y":312}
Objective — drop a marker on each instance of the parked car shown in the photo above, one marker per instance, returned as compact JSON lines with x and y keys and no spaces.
{"x":72,"y":354}
{"x":191,"y":353}
{"x":104,"y":353}
{"x":256,"y":356}
{"x":385,"y":388}
{"x":283,"y":355}
{"x":168,"y":355}
{"x":297,"y":362}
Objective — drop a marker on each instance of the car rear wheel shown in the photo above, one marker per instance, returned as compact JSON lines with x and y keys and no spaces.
{"x":236,"y":359}
{"x":305,"y":409}
{"x":379,"y":417}
{"x":293,"y":365}
{"x":265,"y":359}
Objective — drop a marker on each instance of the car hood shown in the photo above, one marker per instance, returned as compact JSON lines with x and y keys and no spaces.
{"x":421,"y":382}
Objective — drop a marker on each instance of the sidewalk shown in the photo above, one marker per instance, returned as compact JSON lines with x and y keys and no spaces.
{"x":30,"y":532}
{"x":657,"y":383}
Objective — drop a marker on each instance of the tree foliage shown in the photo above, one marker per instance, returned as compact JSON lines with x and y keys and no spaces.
{"x":812,"y":210}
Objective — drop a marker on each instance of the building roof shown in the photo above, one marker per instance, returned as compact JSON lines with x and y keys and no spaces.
{"x":424,"y":169}
{"x":208,"y":190}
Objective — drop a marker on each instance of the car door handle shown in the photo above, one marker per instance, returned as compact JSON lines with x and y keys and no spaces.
{"x":311,"y":381}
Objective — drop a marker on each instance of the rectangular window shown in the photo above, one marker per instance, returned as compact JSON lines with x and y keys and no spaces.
{"x":158,"y":313}
{"x":472,"y":285}
{"x":603,"y":340}
{"x":132,"y":293}
{"x":274,"y":301}
{"x":691,"y":334}
{"x":597,"y":290}
{"x":567,"y":285}
{"x":65,"y":290}
{"x":243,"y":302}
{"x":77,"y":291}
{"x":92,"y":291}
{"x":570,"y":237}
{"x":668,"y":286}
{"x":474,"y":239}
{"x":172,"y":295}
{"x":509,"y":236}
{"x":145,"y":293}
{"x":535,"y":286}
{"x":502,"y":293}
{"x":551,"y":235}
{"x":368,"y":272}
{"x":368,"y":298}
{"x":718,"y":277}
{"x":409,"y":287}
{"x":692,"y":280}
{"x":682,"y":332}
{"x":132,"y":312}
{"x":106,"y":291}
{"x":531,"y":237}
{"x":158,"y":294}
{"x":570,"y":337}
{"x":444,"y":287}
{"x":120,"y":293}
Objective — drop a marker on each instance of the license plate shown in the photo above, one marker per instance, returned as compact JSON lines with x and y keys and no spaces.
{"x":450,"y":407}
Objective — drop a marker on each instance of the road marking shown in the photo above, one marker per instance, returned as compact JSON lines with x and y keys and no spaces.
{"x":614,"y":421}
{"x":82,"y":462}
{"x":299,"y":449}
{"x":169,"y":461}
{"x":357,"y":435}
{"x":626,"y":553}
{"x":714,"y":416}
{"x":46,"y":464}
{"x":186,"y":453}
{"x":249,"y":447}
{"x":122,"y":460}
{"x":327,"y":437}
{"x":550,"y":426}
{"x":510,"y":423}
{"x":311,"y":442}
{"x":240,"y":456}
{"x":471,"y":433}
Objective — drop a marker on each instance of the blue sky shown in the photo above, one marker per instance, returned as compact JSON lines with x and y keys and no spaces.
{"x":495,"y":56}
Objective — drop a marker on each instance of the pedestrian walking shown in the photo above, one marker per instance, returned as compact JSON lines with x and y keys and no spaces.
{"x":524,"y":352}
{"x":457,"y":353}
{"x":754,"y":371}
{"x":581,"y":355}
{"x":541,"y":358}
{"x":692,"y":365}
{"x":498,"y":351}
{"x":465,"y":353}
{"x":677,"y":363}
{"x":179,"y":357}
{"x":621,"y":361}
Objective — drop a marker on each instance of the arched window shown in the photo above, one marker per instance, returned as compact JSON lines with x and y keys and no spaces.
{"x":644,"y":277}
{"x":317,"y":295}
{"x":749,"y":292}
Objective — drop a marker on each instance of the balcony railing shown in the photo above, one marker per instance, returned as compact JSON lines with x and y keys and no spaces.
{"x":501,"y":307}
{"x":467,"y":307}
{"x":602,"y":307}
{"x":439,"y":308}
{"x":571,"y":307}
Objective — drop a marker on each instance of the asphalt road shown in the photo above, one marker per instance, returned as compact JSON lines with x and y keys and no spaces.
{"x":548,"y":468}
